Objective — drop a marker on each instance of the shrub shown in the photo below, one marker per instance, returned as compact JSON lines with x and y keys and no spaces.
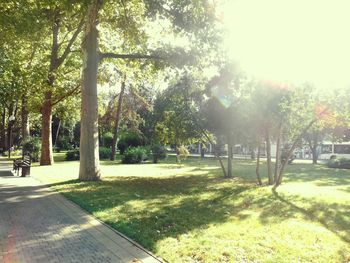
{"x":130,"y":139}
{"x":73,"y":155}
{"x":181,"y":153}
{"x":107,"y":139}
{"x":158,"y":152}
{"x":32,"y":147}
{"x":341,"y":163}
{"x":63,"y":143}
{"x":135,"y":155}
{"x":105,"y":153}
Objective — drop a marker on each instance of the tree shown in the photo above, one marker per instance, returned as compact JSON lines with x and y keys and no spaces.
{"x":180,"y":13}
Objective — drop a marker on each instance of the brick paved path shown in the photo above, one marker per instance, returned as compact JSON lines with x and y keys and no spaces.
{"x":39,"y":225}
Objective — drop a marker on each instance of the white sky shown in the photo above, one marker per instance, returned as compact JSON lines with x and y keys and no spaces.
{"x":291,"y":40}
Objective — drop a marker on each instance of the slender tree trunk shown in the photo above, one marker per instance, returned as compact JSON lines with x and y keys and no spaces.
{"x":117,"y":120}
{"x":291,"y":150}
{"x":268,"y":157}
{"x":314,"y":154}
{"x":25,"y":120}
{"x":3,"y":130}
{"x":278,"y":152}
{"x":9,"y":130}
{"x":202,"y":150}
{"x":46,"y":157}
{"x":57,"y":132}
{"x":89,"y":154}
{"x":257,"y":170}
{"x":229,"y":156}
{"x":313,"y":143}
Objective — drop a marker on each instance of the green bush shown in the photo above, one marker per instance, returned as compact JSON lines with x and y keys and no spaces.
{"x":73,"y":155}
{"x":130,"y":139}
{"x":105,"y":153}
{"x":158,"y":152}
{"x":135,"y":155}
{"x":107,"y":139}
{"x":341,"y":163}
{"x":32,"y":147}
{"x":63,"y":143}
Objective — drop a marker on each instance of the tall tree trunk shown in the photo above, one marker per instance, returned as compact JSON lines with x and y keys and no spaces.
{"x":89,"y":154}
{"x":268,"y":156}
{"x":46,"y":157}
{"x":291,"y":150}
{"x":117,"y":120}
{"x":257,"y":170}
{"x":229,"y":156}
{"x":314,"y":154}
{"x":57,"y":132}
{"x":9,"y":130}
{"x":313,"y":143}
{"x":202,"y":150}
{"x":25,"y":120}
{"x":3,"y":130}
{"x":278,"y":151}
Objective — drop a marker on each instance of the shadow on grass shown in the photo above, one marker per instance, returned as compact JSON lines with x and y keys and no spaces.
{"x":149,"y":209}
{"x":334,"y":217}
{"x":319,"y":174}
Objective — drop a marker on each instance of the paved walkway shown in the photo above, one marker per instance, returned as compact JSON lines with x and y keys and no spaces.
{"x":39,"y":225}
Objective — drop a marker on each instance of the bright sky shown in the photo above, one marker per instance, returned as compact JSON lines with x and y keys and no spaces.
{"x":291,"y":40}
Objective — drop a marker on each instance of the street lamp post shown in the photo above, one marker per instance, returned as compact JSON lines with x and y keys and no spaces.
{"x":11,"y":121}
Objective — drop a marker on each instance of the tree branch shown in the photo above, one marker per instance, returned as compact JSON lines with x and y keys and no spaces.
{"x":128,"y":56}
{"x":71,"y":42}
{"x":75,"y":90}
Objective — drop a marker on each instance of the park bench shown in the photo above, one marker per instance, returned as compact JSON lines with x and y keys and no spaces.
{"x":24,"y":163}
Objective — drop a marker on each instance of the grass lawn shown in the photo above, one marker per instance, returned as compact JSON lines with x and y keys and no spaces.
{"x":188,"y":213}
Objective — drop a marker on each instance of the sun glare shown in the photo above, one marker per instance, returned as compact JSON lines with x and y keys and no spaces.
{"x":293,"y":41}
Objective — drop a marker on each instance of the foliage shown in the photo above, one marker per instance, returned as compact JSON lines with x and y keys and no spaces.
{"x":129,"y":139}
{"x":181,"y":153}
{"x":107,"y":139}
{"x":341,"y":163}
{"x":63,"y":143}
{"x":158,"y":152}
{"x":135,"y":155}
{"x":32,"y":146}
{"x":105,"y":152}
{"x":73,"y":155}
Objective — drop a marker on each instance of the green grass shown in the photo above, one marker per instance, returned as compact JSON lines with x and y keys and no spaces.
{"x":188,"y":213}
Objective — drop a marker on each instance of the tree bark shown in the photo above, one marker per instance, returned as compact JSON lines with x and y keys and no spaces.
{"x":25,"y":120}
{"x":268,"y":157}
{"x":313,"y":143}
{"x":3,"y":130}
{"x":117,"y":120}
{"x":229,"y":156}
{"x":314,"y":154}
{"x":89,"y":152}
{"x":294,"y":145}
{"x":9,"y":131}
{"x":278,"y":152}
{"x":257,"y":170}
{"x":46,"y":157}
{"x":202,"y":150}
{"x":57,"y":132}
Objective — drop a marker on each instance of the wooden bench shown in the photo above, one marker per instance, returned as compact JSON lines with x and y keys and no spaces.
{"x":24,"y":164}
